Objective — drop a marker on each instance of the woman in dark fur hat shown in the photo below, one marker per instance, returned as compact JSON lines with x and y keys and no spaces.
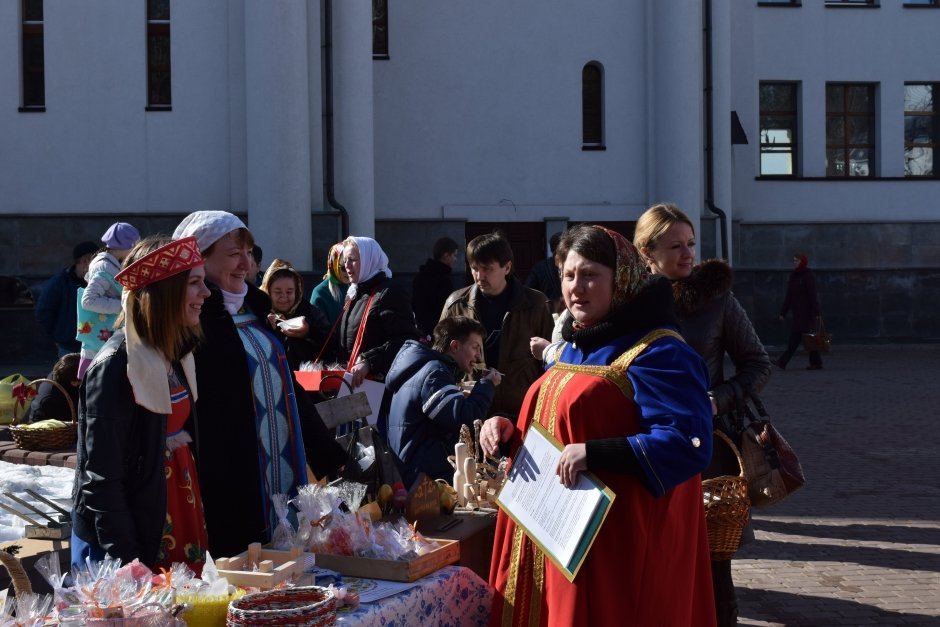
{"x":713,"y":322}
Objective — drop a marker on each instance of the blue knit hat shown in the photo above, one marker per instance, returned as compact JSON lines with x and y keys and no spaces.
{"x":120,"y":236}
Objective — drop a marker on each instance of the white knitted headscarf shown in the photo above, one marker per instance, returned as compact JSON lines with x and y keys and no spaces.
{"x":207,"y":227}
{"x":372,"y":260}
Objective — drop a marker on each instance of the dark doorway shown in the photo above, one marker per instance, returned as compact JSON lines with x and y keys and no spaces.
{"x":624,"y":228}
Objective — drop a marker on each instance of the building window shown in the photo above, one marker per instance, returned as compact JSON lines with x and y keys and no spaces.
{"x":34,"y":64}
{"x":380,"y":29}
{"x":850,"y":129}
{"x":922,"y":3}
{"x":778,"y":116}
{"x":592,"y":106}
{"x":159,"y":94}
{"x":779,"y":3}
{"x":921,"y":128}
{"x":848,"y":3}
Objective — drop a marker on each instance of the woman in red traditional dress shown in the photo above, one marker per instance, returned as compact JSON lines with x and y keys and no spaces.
{"x":136,"y":491}
{"x":627,"y":396}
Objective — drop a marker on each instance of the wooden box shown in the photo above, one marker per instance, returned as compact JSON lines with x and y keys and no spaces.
{"x":393,"y":570}
{"x":274,"y":567}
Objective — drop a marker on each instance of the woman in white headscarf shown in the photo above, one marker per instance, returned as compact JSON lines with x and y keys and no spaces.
{"x":255,"y":428}
{"x":377,"y":317}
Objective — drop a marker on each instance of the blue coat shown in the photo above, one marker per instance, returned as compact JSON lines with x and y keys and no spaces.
{"x":428,"y":409}
{"x":56,"y":309}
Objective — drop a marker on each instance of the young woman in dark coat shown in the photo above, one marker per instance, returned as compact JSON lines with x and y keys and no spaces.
{"x":136,"y":491}
{"x":713,"y":322}
{"x":803,"y":304}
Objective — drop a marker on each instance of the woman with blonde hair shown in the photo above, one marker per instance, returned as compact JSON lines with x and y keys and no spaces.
{"x":713,"y":322}
{"x":136,"y":491}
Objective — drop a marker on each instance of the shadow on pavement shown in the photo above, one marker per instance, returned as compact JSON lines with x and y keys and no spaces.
{"x":780,"y":608}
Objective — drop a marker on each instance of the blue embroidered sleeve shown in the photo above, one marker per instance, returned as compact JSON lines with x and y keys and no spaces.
{"x":671,"y":382}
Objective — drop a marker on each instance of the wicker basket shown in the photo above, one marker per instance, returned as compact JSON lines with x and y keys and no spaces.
{"x":726,"y":508}
{"x":18,"y":576}
{"x":55,"y":439}
{"x":311,"y":605}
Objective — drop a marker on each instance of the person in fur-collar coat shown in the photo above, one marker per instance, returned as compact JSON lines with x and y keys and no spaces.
{"x":713,"y":322}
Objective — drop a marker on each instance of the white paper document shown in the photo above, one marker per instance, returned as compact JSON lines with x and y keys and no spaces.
{"x":374,"y":391}
{"x":563,"y":521}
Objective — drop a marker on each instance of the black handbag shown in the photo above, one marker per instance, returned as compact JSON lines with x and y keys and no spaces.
{"x":368,"y":458}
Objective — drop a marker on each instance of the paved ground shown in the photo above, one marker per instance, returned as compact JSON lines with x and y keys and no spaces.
{"x":860,"y":543}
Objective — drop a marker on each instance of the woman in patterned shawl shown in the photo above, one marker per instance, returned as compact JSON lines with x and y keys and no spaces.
{"x":627,"y":398}
{"x":255,"y":429}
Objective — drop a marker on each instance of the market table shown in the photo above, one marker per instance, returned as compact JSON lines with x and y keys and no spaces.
{"x":453,"y":595}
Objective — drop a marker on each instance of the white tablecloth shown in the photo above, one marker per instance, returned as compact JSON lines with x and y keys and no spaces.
{"x":453,"y":596}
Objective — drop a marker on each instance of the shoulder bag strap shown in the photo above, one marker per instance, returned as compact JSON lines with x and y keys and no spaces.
{"x":357,"y":346}
{"x":329,"y":335}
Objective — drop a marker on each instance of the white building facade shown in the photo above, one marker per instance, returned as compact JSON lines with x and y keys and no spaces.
{"x":421,"y":119}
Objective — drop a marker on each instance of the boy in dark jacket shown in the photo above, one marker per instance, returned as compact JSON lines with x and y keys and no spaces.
{"x":428,"y":407}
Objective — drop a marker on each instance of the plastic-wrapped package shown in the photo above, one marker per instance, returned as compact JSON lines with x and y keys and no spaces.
{"x":283,"y":537}
{"x":32,"y":610}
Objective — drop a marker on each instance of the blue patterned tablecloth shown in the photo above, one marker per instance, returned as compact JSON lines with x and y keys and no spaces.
{"x":453,"y":596}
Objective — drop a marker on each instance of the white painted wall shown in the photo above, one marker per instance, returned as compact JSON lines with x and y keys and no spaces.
{"x":95,"y":149}
{"x":814,"y":44}
{"x":477,"y":114}
{"x":278,"y":129}
{"x":478,"y":111}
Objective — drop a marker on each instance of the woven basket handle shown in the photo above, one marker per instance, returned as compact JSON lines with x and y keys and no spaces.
{"x":734,"y":449}
{"x":18,"y":576}
{"x":58,"y":386}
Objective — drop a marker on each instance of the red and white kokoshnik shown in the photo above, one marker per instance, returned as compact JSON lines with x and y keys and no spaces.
{"x":173,"y":258}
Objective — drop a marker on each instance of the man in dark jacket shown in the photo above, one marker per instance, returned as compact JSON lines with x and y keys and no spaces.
{"x":427,"y":406}
{"x":57,"y":306}
{"x":510,"y":313}
{"x":432,"y":285}
{"x":544,"y":276}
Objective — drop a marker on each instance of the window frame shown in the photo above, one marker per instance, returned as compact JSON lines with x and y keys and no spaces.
{"x":794,"y":144}
{"x":848,"y":116}
{"x":928,"y":4}
{"x":934,"y":145}
{"x":31,"y":30}
{"x":856,"y":4}
{"x":158,"y":27}
{"x":592,"y":108}
{"x":380,"y":30}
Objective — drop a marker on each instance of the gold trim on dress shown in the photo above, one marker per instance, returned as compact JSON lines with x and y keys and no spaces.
{"x":509,"y":596}
{"x":523,"y":570}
